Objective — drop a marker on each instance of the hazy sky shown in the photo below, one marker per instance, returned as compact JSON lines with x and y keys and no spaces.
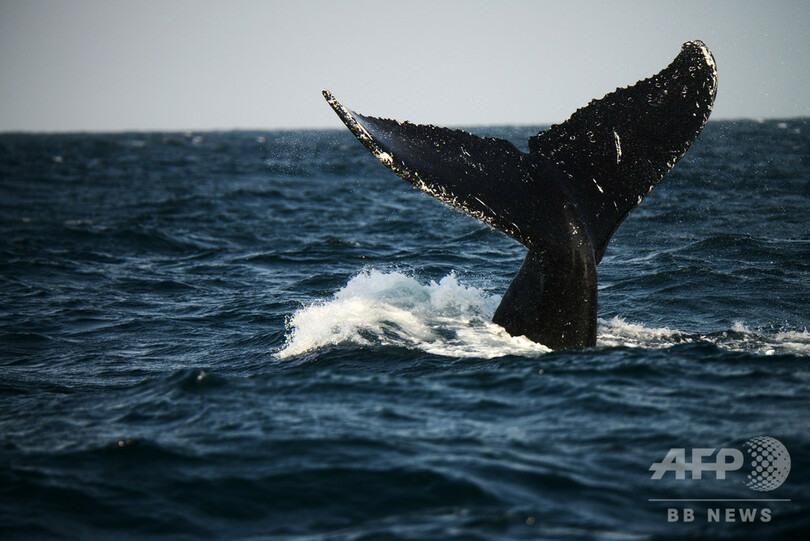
{"x":192,"y":65}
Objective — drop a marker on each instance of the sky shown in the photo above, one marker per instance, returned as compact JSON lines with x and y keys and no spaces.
{"x":110,"y":65}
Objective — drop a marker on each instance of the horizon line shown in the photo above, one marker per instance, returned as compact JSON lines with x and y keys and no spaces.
{"x":114,"y":131}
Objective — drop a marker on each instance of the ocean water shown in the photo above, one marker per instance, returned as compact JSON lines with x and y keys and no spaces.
{"x":267,"y":335}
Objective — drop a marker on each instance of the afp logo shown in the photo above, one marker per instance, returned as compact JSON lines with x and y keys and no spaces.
{"x":768,"y":463}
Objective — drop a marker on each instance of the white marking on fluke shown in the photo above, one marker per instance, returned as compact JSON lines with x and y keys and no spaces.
{"x":618,"y":147}
{"x":707,"y":55}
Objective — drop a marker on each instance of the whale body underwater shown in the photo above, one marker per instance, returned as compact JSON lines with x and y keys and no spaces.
{"x":565,"y":197}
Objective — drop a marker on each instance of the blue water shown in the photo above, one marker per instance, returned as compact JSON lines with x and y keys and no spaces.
{"x":268,"y":335}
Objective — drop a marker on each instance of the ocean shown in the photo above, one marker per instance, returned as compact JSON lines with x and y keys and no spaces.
{"x":268,"y":335}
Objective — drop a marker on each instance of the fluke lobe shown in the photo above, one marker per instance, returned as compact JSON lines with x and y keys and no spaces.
{"x":565,"y":198}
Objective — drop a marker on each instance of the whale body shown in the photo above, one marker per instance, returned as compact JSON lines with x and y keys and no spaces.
{"x":565,"y":197}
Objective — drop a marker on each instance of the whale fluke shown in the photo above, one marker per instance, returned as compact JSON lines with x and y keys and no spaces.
{"x":565,"y":197}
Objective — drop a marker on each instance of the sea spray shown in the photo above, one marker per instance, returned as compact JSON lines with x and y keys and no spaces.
{"x":393,"y":309}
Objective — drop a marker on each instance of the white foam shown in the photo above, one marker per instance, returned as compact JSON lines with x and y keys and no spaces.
{"x":376,"y":308}
{"x":788,"y":342}
{"x":452,"y":319}
{"x":617,"y":332}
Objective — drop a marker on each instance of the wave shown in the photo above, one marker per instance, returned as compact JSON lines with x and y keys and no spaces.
{"x":451,"y":319}
{"x":392,"y":309}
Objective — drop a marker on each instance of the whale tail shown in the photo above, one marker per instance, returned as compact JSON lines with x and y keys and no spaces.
{"x":567,"y":195}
